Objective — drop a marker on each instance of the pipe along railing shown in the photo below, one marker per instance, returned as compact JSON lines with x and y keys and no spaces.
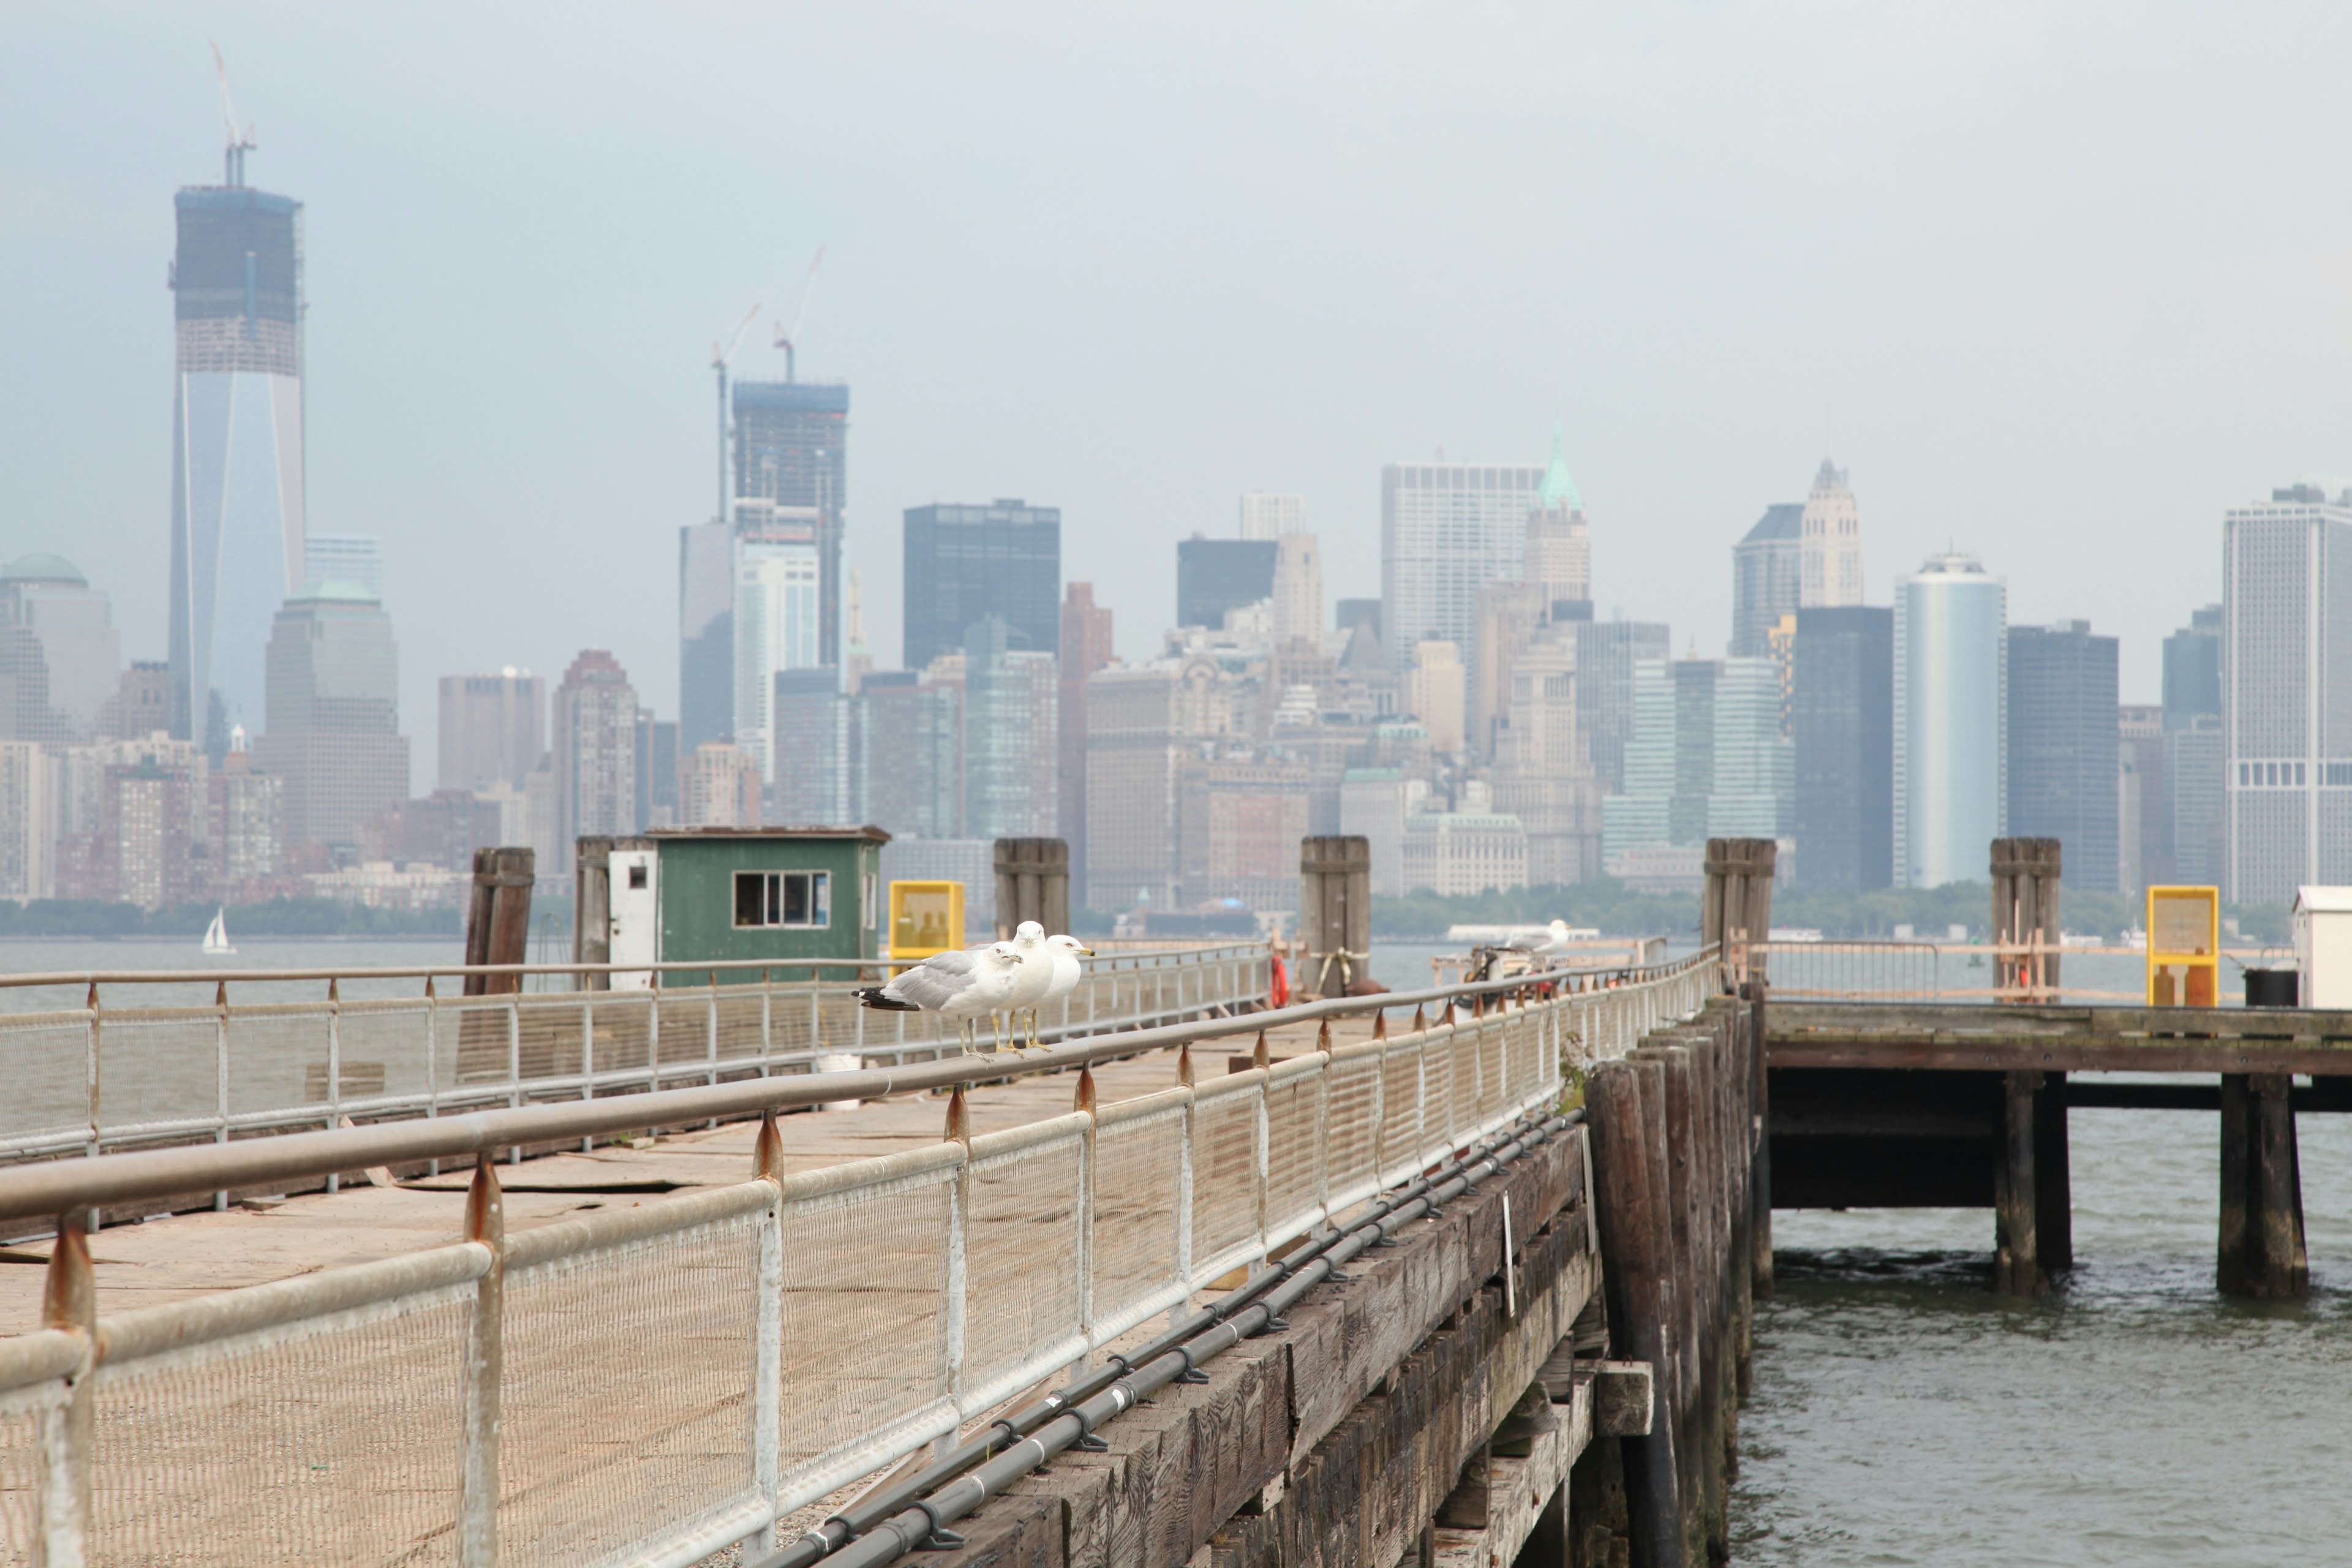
{"x":913,"y":1515}
{"x":70,"y":1187}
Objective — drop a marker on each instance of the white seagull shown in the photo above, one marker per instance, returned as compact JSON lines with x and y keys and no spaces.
{"x":1036,"y":978}
{"x":1067,"y":972}
{"x":1556,"y":940}
{"x":961,"y":984}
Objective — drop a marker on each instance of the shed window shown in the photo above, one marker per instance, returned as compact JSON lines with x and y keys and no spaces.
{"x":798,"y":900}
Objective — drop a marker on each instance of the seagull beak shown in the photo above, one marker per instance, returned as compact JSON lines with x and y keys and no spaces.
{"x":1086,"y":952}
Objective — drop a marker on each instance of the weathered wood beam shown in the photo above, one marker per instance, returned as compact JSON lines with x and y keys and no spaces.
{"x":2046,"y":1020}
{"x":2023,"y":1052}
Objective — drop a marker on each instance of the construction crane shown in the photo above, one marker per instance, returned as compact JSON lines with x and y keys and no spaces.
{"x":239,"y":143}
{"x":789,"y":340}
{"x":720,"y":357}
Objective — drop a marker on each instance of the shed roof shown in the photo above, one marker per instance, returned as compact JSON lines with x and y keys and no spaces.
{"x":2324,"y":900}
{"x":869,"y":832}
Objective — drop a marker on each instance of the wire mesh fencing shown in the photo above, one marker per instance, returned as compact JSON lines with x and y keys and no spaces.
{"x":113,"y":1076}
{"x":649,"y":1385}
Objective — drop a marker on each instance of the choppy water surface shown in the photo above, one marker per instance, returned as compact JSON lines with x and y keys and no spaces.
{"x":1904,"y":1415}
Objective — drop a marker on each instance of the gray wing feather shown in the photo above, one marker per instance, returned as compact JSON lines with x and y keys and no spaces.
{"x":935,"y":982}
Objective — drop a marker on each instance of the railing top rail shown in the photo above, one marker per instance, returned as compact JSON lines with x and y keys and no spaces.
{"x":459,"y":971}
{"x":103,"y":1180}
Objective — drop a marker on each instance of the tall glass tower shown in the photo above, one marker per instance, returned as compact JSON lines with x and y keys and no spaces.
{"x":237,"y":447}
{"x":1951,"y":722}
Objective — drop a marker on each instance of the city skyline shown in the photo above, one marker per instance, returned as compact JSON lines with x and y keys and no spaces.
{"x":505,"y":487}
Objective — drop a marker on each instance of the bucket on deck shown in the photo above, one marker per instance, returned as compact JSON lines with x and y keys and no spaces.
{"x":2273,"y":988}
{"x":839,"y":1062}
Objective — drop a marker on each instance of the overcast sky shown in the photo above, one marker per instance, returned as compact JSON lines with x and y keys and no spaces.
{"x":2056,"y":284}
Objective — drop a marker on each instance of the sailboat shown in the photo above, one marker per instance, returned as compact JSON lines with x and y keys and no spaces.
{"x":216,"y":934}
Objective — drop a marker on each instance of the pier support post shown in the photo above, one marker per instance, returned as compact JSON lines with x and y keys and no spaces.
{"x":1735,"y":909}
{"x":1033,"y":883}
{"x":1335,"y":915}
{"x":2261,"y":1251}
{"x":1623,"y":1101}
{"x":2018,"y":1268}
{"x":2054,"y":1183}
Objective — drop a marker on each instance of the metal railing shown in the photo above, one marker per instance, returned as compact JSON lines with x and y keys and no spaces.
{"x":165,"y":1067}
{"x":1931,"y":971}
{"x":648,"y":1386}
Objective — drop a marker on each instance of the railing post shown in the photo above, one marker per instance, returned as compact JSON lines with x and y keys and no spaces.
{"x":768,"y":1349}
{"x":220,"y":1074}
{"x":69,"y":1301}
{"x":1085,"y":1099}
{"x":959,"y":1130}
{"x":93,"y":1079}
{"x":334,"y":1070}
{"x":652,"y":1029}
{"x":478,"y":1484}
{"x":514,"y":1059}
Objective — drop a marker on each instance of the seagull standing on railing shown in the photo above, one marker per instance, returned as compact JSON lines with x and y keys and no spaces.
{"x":1554,"y":940}
{"x":1067,"y":971}
{"x":961,"y":984}
{"x":1036,"y":978}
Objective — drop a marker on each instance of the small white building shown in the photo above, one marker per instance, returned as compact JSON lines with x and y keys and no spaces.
{"x":2322,"y":945}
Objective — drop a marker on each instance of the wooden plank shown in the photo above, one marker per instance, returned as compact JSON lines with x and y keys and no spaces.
{"x":1515,"y":1492}
{"x":2046,"y":1019}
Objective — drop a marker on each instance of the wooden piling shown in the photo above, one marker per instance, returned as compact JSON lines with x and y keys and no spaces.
{"x":2053,"y":1185}
{"x":1033,"y":883}
{"x":1629,"y":1210}
{"x":2230,"y":1273}
{"x":2017,"y":1256}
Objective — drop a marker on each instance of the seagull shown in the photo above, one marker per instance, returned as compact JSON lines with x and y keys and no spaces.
{"x":1067,"y":972}
{"x":1036,"y":978}
{"x":962,"y":985}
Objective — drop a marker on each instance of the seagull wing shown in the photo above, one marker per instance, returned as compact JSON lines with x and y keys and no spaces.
{"x":937,"y":981}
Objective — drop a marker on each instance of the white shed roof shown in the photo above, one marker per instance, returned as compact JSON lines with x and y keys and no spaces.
{"x":2324,"y":900}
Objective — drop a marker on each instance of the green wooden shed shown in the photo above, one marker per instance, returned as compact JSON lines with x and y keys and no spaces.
{"x":761,"y":895}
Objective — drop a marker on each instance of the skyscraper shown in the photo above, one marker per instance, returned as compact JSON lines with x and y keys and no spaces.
{"x":778,"y":620}
{"x":1606,"y":653}
{"x":816,"y":745}
{"x":965,"y":561}
{"x":706,"y":633}
{"x":1708,"y":759}
{"x":1085,"y":647}
{"x":1215,"y":576}
{"x":237,"y":447}
{"x":2286,"y":693}
{"x":1298,"y":589}
{"x":1767,"y":577}
{"x":2195,"y":751}
{"x":1951,"y":722}
{"x":2144,"y":805}
{"x":344,"y":558}
{"x":1011,"y":760}
{"x":50,"y":618}
{"x":2063,"y":736}
{"x":1843,"y":728}
{"x":595,"y":753}
{"x":1447,"y":528}
{"x":1556,"y":563}
{"x":791,"y":449}
{"x":493,"y":729}
{"x":333,"y":713}
{"x":1267,"y":516}
{"x":914,"y":747}
{"x":1831,"y":535}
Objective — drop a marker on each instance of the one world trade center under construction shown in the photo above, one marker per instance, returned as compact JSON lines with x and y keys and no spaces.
{"x":236,"y":439}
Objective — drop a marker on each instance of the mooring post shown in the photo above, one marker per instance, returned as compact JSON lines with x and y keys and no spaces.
{"x":1033,"y":883}
{"x":1631,"y":1210}
{"x":1334,"y":914}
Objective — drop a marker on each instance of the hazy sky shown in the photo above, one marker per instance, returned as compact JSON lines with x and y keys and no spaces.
{"x":2056,"y":284}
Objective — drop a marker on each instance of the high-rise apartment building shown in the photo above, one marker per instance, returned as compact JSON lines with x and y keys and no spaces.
{"x":1241,"y":816}
{"x":1767,"y":574}
{"x":1831,"y":535}
{"x":791,"y":451}
{"x":1216,"y":575}
{"x":1841,"y":729}
{"x":237,"y":447}
{"x":2063,"y":736}
{"x":1268,"y":516}
{"x":493,"y":729}
{"x":1606,"y":654}
{"x":1951,"y":722}
{"x":914,"y":749}
{"x":2286,"y":693}
{"x":1436,"y":691}
{"x":1446,"y":529}
{"x":49,"y":616}
{"x":1012,"y":760}
{"x":965,"y":561}
{"x":333,"y":713}
{"x":28,"y":821}
{"x":778,"y":619}
{"x":1085,"y":647}
{"x":595,"y":753}
{"x":1543,"y":766}
{"x":248,"y":810}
